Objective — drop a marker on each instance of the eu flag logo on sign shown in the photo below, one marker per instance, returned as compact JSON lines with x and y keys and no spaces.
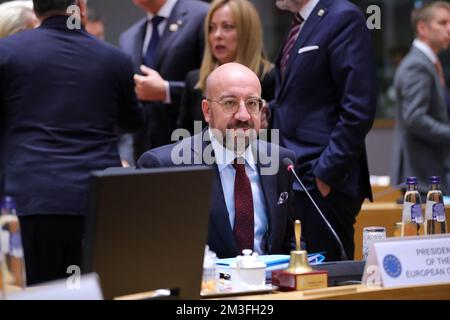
{"x":392,"y":266}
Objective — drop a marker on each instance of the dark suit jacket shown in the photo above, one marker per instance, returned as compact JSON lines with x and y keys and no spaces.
{"x":178,"y":52}
{"x":325,"y":105}
{"x":279,"y":237}
{"x":62,"y":95}
{"x":191,"y":101}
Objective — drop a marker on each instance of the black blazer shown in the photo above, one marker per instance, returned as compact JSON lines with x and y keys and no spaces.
{"x":63,"y":93}
{"x":279,"y":236}
{"x":191,"y":100}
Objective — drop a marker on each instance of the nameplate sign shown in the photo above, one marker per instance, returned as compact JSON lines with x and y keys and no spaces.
{"x":408,"y":261}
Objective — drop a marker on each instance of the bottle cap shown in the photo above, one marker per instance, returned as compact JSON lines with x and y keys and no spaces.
{"x":248,"y":260}
{"x":411,"y":180}
{"x":434,"y":180}
{"x":8,"y":203}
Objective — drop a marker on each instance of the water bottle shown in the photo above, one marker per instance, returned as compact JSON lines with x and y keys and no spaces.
{"x":210,"y":274}
{"x":435,"y":221}
{"x":12,"y":269}
{"x":412,"y":217}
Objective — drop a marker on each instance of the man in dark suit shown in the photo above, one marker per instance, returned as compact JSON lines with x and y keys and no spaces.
{"x":324,"y":106}
{"x":167,"y":55}
{"x":250,"y":202}
{"x":422,"y":127}
{"x":63,"y":93}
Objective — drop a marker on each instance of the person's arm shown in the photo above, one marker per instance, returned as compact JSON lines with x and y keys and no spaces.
{"x":176,"y":91}
{"x":353,"y":71}
{"x":415,"y":89}
{"x":149,"y":160}
{"x":150,"y":86}
{"x":131,"y":114}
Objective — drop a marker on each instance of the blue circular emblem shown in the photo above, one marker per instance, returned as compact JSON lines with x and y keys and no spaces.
{"x":392,"y":266}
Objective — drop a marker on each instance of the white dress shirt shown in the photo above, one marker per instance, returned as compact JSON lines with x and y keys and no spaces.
{"x":224,"y":159}
{"x":308,"y":8}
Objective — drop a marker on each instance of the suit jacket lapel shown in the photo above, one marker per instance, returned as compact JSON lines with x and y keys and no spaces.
{"x":178,"y":17}
{"x":305,"y":32}
{"x":269,"y":186}
{"x":136,"y":50}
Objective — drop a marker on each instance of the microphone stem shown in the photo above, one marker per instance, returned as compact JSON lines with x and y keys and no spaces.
{"x":341,"y":247}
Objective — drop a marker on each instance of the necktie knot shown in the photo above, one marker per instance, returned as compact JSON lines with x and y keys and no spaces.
{"x":298,"y":19}
{"x":239,"y":164}
{"x":156,"y":20}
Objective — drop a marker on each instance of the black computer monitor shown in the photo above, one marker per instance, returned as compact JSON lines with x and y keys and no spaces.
{"x":147,"y":229}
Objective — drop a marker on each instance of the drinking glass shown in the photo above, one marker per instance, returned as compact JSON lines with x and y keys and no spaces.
{"x":371,"y":234}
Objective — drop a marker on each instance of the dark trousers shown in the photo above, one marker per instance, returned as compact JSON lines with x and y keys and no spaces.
{"x":340,"y":210}
{"x":51,"y":243}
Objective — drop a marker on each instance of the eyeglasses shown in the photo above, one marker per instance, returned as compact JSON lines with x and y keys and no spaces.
{"x":231,"y":105}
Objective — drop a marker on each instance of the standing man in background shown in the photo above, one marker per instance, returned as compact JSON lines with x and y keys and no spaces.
{"x":63,"y":93}
{"x":164,"y":47}
{"x":422,"y":129}
{"x":324,"y":106}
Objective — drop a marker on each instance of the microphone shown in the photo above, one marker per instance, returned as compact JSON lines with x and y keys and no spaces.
{"x":290,"y":167}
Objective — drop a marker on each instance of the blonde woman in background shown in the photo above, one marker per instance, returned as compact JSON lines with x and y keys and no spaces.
{"x":16,"y":16}
{"x":233,"y":32}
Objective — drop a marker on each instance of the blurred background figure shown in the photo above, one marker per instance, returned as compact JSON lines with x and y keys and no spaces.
{"x":63,"y":95}
{"x":95,"y":24}
{"x":16,"y":16}
{"x":164,"y":47}
{"x":233,"y":32}
{"x":422,"y":130}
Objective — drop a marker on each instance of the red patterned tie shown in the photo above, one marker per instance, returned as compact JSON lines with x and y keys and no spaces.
{"x":243,"y":208}
{"x":293,"y":33}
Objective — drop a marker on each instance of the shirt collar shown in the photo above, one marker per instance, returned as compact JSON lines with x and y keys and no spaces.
{"x":224,"y":157}
{"x":165,"y":10}
{"x":308,"y":8}
{"x":425,"y":49}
